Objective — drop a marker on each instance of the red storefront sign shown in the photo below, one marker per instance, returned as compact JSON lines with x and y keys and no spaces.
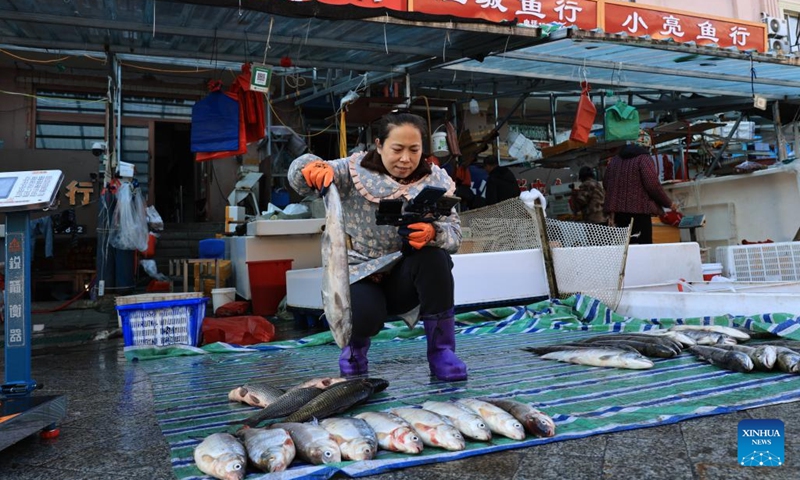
{"x":581,"y":13}
{"x":399,"y":5}
{"x":660,"y":24}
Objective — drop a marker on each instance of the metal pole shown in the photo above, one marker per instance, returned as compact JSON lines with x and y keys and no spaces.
{"x":553,"y":124}
{"x":719,"y":153}
{"x":779,"y":139}
{"x":547,"y":252}
{"x":496,"y":124}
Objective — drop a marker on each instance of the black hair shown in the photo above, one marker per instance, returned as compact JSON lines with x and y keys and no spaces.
{"x":393,"y":120}
{"x":585,"y":172}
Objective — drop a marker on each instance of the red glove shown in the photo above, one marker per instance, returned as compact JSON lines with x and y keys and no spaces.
{"x":318,"y":174}
{"x":419,"y":234}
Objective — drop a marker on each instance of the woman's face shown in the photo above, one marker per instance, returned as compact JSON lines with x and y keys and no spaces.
{"x":401,"y":152}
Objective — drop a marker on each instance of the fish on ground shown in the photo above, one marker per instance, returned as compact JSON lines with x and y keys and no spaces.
{"x":394,"y":434}
{"x":763,"y":356}
{"x":257,"y":394}
{"x":679,"y":337}
{"x":788,"y":360}
{"x":647,"y":349}
{"x":729,"y":331}
{"x":659,"y":340}
{"x":469,"y":423}
{"x":313,"y":443}
{"x":271,"y":450}
{"x":335,"y":399}
{"x":286,"y":404}
{"x":335,"y":270}
{"x":544,"y":349}
{"x":602,"y":357}
{"x":322,"y":383}
{"x":702,"y":337}
{"x":727,"y":359}
{"x":434,"y":430}
{"x":221,"y":456}
{"x":356,"y":439}
{"x":535,"y":421}
{"x":498,"y":420}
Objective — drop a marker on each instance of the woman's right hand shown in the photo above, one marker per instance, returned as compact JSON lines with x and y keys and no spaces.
{"x":318,"y":174}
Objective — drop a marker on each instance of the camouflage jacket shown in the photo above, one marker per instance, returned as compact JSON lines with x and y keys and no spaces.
{"x":587,"y":200}
{"x":376,"y":248}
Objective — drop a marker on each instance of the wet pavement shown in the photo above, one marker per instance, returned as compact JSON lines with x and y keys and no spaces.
{"x":110,"y":430}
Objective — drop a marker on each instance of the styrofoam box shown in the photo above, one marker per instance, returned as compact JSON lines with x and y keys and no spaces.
{"x":306,"y":226}
{"x":763,"y":262}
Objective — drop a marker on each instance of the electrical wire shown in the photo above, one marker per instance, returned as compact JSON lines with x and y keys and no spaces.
{"x":68,"y":302}
{"x":55,"y":60}
{"x":269,"y":102}
{"x":53,"y":99}
{"x":161,"y":70}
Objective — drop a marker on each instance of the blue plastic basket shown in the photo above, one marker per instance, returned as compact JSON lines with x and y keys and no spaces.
{"x":159,"y":324}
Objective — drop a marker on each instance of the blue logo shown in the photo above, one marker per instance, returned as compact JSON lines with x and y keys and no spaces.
{"x":761,"y":443}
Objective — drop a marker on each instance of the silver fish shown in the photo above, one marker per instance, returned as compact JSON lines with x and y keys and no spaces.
{"x":498,"y":420}
{"x":355,"y":437}
{"x":729,"y":331}
{"x":335,"y":270}
{"x":313,"y":443}
{"x":221,"y":456}
{"x":788,"y":360}
{"x":602,"y":357}
{"x":679,"y":337}
{"x":535,"y":421}
{"x":727,"y":359}
{"x":763,"y":356}
{"x":434,"y":430}
{"x":271,"y":450}
{"x":469,"y":423}
{"x":394,"y":433}
{"x":702,"y":337}
{"x":257,"y":394}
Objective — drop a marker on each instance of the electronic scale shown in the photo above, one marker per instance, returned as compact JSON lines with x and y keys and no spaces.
{"x":20,"y":413}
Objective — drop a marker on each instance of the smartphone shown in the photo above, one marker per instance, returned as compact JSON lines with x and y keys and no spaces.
{"x":429,"y":195}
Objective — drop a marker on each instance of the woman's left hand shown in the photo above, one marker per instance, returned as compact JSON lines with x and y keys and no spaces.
{"x":418,"y":234}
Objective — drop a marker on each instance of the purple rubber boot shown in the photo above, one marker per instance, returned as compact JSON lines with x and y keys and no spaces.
{"x":353,"y":359}
{"x":440,"y":333}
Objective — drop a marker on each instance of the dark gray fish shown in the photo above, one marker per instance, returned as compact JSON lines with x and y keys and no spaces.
{"x":709,"y":338}
{"x":545,"y":349}
{"x":645,"y":348}
{"x":727,"y":359}
{"x":535,"y":421}
{"x":287,"y":404}
{"x":659,"y":340}
{"x":335,"y":399}
{"x":763,"y":356}
{"x":378,"y":384}
{"x":756,"y":335}
{"x":788,"y":360}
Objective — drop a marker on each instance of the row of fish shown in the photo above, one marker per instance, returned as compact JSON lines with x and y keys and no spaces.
{"x":408,"y":430}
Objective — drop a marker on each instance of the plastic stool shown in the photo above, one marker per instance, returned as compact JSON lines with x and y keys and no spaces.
{"x":212,"y":248}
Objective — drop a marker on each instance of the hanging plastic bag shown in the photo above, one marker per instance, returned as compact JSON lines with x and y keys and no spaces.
{"x":154,"y":219}
{"x":584,"y":116}
{"x":246,"y":330}
{"x":622,"y":122}
{"x":129,"y":227}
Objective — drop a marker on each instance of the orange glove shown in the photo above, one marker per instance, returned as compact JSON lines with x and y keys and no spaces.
{"x":418,"y":234}
{"x":318,"y":174}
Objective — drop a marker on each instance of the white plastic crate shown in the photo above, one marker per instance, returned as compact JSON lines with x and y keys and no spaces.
{"x":763,"y":262}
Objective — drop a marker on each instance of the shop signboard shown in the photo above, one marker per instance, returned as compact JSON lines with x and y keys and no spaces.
{"x":580,"y":13}
{"x":658,"y":23}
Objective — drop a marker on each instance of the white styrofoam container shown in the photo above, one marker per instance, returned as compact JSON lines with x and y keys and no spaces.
{"x":761,"y":262}
{"x":307,"y":226}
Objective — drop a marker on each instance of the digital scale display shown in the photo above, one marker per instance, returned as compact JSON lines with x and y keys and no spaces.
{"x":6,"y":184}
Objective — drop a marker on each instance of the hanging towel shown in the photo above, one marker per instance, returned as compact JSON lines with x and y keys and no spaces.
{"x":42,"y":226}
{"x":622,"y":122}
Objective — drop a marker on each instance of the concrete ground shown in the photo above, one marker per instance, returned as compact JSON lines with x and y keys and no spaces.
{"x":110,"y":430}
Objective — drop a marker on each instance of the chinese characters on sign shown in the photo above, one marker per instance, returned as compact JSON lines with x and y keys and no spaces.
{"x":15,"y":289}
{"x":638,"y":21}
{"x":530,"y":13}
{"x":84,"y":188}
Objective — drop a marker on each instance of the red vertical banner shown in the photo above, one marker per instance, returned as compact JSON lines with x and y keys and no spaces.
{"x":639,"y":20}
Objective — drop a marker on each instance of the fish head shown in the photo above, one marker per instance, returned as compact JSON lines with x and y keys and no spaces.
{"x":405,"y":439}
{"x":540,"y":425}
{"x":358,"y":449}
{"x":478,"y":430}
{"x":378,"y":384}
{"x":450,"y":438}
{"x":325,"y":453}
{"x":230,"y":467}
{"x":768,"y":355}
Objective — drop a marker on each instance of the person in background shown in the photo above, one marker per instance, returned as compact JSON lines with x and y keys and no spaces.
{"x":501,"y":183}
{"x":633,"y":191}
{"x":387,"y":279}
{"x":588,"y":199}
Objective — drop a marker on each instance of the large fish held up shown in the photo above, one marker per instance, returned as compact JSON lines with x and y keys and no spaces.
{"x":335,"y":270}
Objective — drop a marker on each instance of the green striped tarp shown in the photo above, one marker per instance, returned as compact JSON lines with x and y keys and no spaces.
{"x":191,"y":391}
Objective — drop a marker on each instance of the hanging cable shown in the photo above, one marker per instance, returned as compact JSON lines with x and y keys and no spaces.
{"x":753,"y":77}
{"x":269,"y":35}
{"x":55,"y":60}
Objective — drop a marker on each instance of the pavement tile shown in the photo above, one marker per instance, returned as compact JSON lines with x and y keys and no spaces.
{"x":626,"y":452}
{"x":539,"y":465}
{"x":497,"y":465}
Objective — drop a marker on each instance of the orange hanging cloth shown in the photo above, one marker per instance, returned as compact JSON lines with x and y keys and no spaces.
{"x":584,"y":117}
{"x":253,"y":104}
